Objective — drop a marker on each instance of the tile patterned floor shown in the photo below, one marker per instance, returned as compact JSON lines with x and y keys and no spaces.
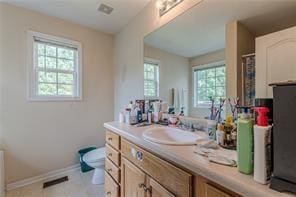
{"x":79,"y":185}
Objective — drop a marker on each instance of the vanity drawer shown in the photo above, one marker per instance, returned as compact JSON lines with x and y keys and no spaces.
{"x":111,"y":187}
{"x":113,"y":139}
{"x":113,"y":170}
{"x":172,"y":178}
{"x":113,"y":155}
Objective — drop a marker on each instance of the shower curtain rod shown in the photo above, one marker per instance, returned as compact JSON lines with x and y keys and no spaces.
{"x":248,"y":55}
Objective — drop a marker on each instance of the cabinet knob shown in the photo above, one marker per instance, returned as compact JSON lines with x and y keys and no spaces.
{"x":146,"y":189}
{"x":110,"y":154}
{"x":108,"y":193}
{"x":110,"y":138}
{"x":141,"y":185}
{"x":109,"y":170}
{"x":139,"y":156}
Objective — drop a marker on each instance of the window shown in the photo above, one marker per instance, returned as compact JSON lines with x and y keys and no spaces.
{"x":209,"y":81}
{"x":151,"y":78}
{"x":55,"y":68}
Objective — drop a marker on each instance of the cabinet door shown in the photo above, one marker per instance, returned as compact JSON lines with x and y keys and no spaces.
{"x":133,"y":180}
{"x":156,"y":190}
{"x":275,"y":60}
{"x":111,"y":188}
{"x":212,"y":191}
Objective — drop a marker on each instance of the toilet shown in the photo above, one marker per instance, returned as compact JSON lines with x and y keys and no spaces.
{"x":96,"y":159}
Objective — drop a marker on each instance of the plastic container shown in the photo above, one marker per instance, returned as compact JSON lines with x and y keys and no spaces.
{"x":262,"y":147}
{"x":84,"y":167}
{"x":245,"y":142}
{"x":212,"y":127}
{"x":220,"y":135}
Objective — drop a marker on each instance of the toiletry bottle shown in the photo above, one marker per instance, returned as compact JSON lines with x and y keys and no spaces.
{"x":228,"y":129}
{"x":245,"y":142}
{"x":262,"y":147}
{"x":149,"y":116}
{"x":220,"y":134}
{"x":121,"y":117}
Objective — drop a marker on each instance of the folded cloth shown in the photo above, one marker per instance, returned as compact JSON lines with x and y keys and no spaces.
{"x":207,"y":143}
{"x":215,"y":153}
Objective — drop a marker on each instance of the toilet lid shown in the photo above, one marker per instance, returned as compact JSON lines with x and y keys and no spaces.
{"x":94,"y":155}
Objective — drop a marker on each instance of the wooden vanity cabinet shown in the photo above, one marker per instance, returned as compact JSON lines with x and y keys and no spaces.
{"x":112,"y":165}
{"x":206,"y":188}
{"x":157,"y":190}
{"x":131,"y":171}
{"x":138,"y":184}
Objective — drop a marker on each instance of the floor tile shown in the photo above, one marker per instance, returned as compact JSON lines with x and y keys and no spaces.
{"x":79,"y":185}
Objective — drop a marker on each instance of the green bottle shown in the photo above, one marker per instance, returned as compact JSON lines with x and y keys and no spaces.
{"x":245,"y":142}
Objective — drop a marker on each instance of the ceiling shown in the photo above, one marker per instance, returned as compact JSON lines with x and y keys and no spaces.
{"x":85,"y":12}
{"x":202,"y":29}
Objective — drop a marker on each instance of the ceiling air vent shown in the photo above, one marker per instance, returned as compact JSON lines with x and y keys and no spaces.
{"x":105,"y":9}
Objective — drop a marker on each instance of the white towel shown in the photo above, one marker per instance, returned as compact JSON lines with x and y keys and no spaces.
{"x":215,"y":153}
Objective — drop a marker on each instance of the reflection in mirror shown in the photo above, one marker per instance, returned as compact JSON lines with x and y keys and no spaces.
{"x":208,"y":53}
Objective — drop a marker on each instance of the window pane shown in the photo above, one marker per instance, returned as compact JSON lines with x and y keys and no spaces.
{"x":41,"y":49}
{"x":150,"y":79}
{"x":201,"y":83}
{"x":47,"y":89}
{"x":41,"y":61}
{"x":220,"y":81}
{"x":50,"y":77}
{"x":149,"y":68}
{"x":66,"y":64}
{"x":202,"y":94}
{"x":211,"y":72}
{"x":51,"y":63}
{"x":66,"y":90}
{"x":66,"y":53}
{"x":220,"y":71}
{"x":66,"y":78}
{"x":211,"y":92}
{"x":220,"y":91}
{"x":149,"y":88}
{"x":211,"y":82}
{"x":201,"y":74}
{"x":214,"y":78}
{"x":150,"y":75}
{"x":51,"y":51}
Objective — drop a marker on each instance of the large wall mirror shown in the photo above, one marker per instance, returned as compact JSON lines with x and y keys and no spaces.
{"x":209,"y":51}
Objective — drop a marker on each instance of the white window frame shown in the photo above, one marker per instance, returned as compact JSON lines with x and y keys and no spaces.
{"x":156,"y":62}
{"x":32,"y":71}
{"x":200,"y":67}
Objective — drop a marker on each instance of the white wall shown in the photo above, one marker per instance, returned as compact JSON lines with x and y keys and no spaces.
{"x":44,"y":136}
{"x":214,"y":56}
{"x":173,"y":72}
{"x":129,"y":77}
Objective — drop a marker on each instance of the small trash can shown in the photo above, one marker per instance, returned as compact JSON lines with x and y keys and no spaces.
{"x":83,"y":165}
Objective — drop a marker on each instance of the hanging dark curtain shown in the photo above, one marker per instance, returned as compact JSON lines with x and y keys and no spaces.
{"x":249,"y":81}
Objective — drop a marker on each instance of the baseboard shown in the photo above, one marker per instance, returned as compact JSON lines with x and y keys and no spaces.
{"x":42,"y":177}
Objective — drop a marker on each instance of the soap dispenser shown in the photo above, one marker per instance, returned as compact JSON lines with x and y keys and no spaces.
{"x":245,"y":142}
{"x":262,"y":147}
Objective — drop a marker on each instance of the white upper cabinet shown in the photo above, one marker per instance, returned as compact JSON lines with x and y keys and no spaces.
{"x":275,"y":60}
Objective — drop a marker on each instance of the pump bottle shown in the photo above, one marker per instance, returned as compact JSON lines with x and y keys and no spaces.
{"x":245,"y":142}
{"x":262,"y":147}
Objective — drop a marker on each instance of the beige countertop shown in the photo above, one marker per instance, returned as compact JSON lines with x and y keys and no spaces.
{"x":184,"y":157}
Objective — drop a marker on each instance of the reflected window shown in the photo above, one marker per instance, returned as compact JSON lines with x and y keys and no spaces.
{"x":209,"y":82}
{"x":151,"y":78}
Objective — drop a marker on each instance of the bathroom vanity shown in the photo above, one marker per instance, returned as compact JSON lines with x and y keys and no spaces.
{"x":136,"y":167}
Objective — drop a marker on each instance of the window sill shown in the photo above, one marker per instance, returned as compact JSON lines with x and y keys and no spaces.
{"x":55,"y":99}
{"x":201,"y":107}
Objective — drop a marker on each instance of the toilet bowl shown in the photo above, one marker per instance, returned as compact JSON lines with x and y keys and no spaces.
{"x":96,"y":159}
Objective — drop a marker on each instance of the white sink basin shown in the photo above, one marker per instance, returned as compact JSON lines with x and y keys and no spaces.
{"x":170,"y":136}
